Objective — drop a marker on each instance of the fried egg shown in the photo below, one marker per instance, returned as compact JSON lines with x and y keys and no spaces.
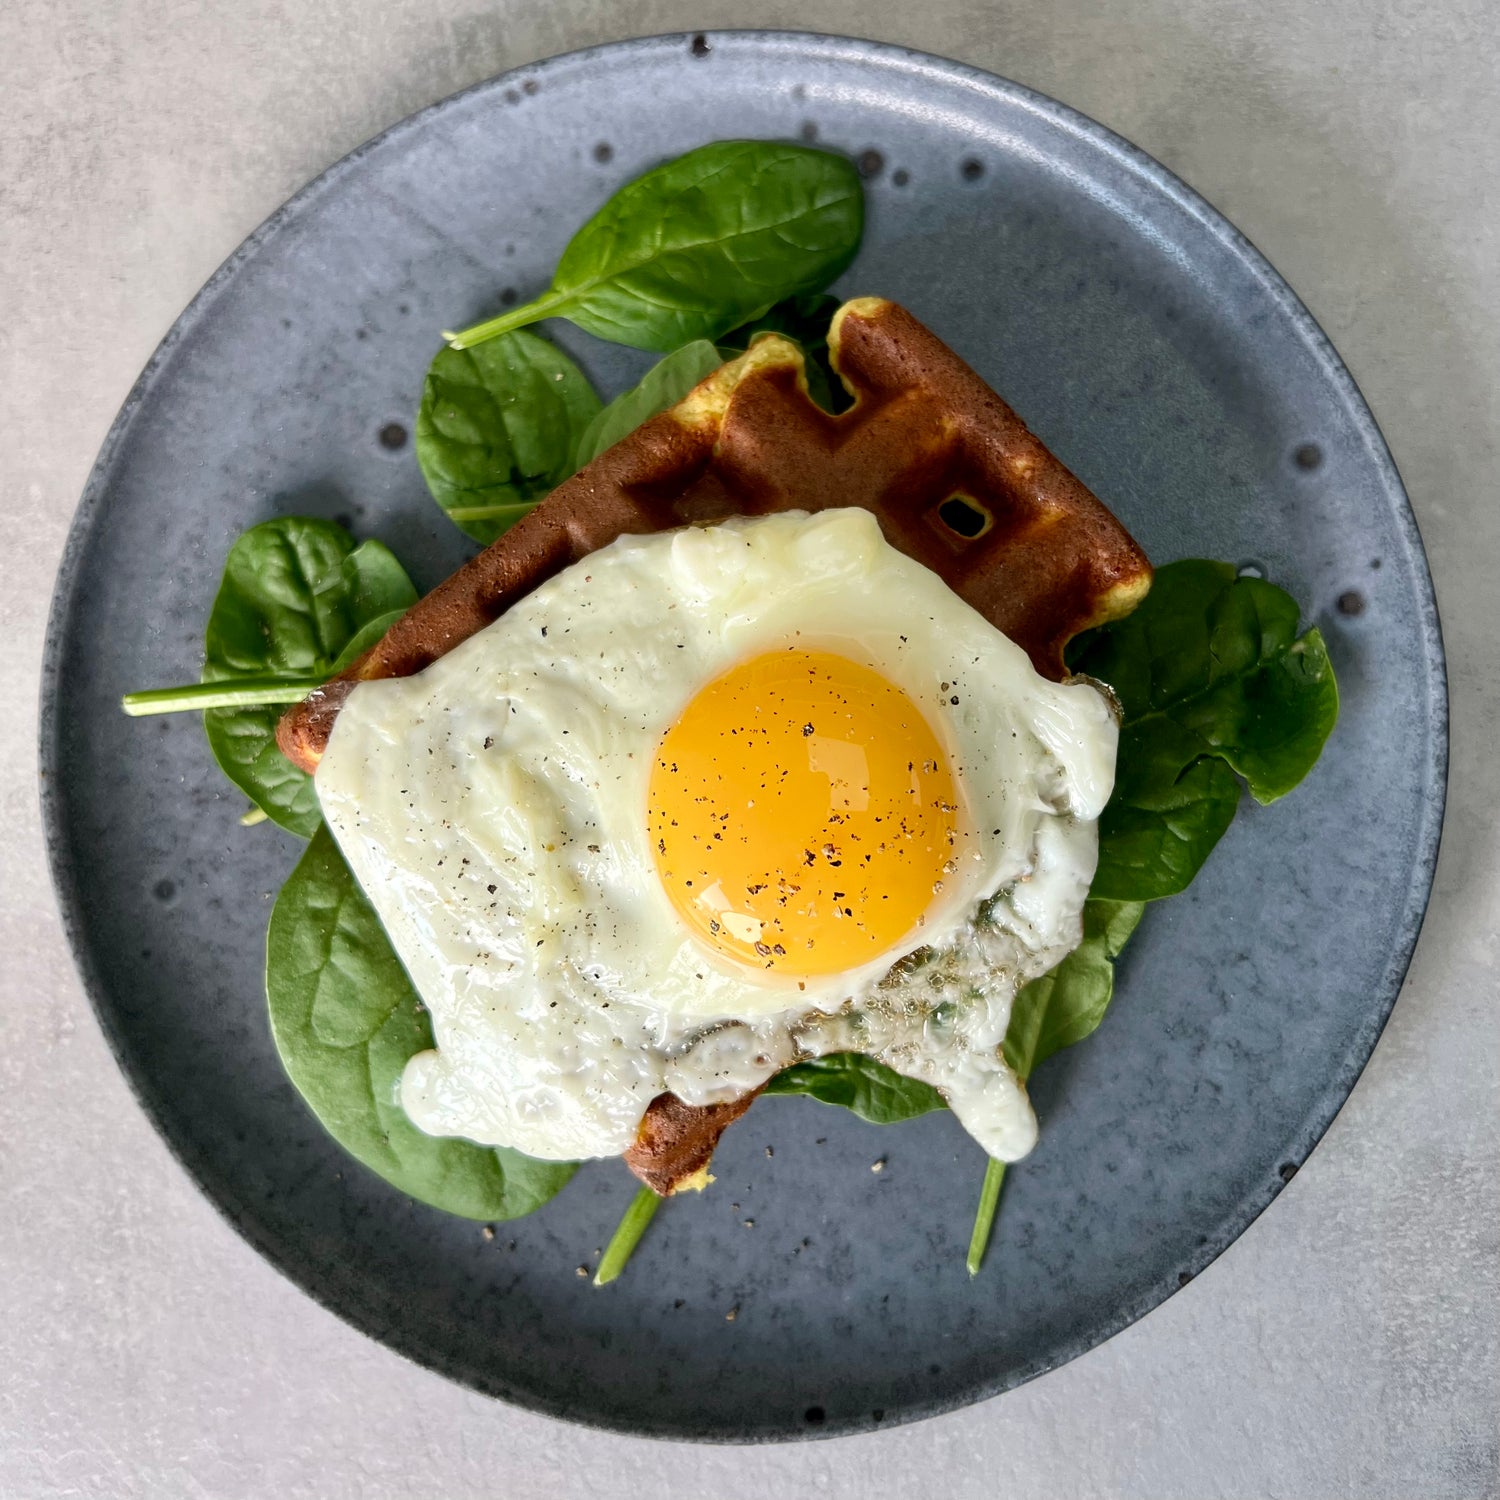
{"x":709,"y":802}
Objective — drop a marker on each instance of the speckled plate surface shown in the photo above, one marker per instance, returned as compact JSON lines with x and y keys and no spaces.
{"x":1152,"y":349}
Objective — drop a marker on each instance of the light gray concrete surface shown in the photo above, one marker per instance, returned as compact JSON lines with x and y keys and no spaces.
{"x":1349,"y":1344}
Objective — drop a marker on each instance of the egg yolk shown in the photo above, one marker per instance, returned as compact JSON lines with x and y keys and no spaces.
{"x":803,"y":814}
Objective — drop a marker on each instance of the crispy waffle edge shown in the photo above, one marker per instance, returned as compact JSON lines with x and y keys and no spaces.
{"x":676,"y":1141}
{"x":1050,"y":561}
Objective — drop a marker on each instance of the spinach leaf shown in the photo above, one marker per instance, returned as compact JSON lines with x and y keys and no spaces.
{"x":1213,"y":679}
{"x":873,"y":1091}
{"x":663,"y":385}
{"x":1155,"y":834}
{"x":805,"y":319}
{"x":700,"y":244}
{"x":346,"y":1019}
{"x":296,"y":592}
{"x":1067,"y":1003}
{"x":498,"y":427}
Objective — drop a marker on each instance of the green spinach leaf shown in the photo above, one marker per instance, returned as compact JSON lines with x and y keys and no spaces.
{"x":346,"y":1019}
{"x":296,"y":592}
{"x":700,"y":244}
{"x":1067,"y":1003}
{"x":1155,"y":834}
{"x":873,"y":1091}
{"x":1213,"y":679}
{"x":663,"y":385}
{"x":498,"y":427}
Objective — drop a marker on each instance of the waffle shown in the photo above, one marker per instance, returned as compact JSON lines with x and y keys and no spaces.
{"x":676,"y":1141}
{"x":949,"y":470}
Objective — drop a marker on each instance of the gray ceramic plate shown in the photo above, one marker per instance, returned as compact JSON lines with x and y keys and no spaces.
{"x":1148,"y":345}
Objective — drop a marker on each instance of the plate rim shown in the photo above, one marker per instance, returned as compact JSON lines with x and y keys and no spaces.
{"x":1139,"y":164}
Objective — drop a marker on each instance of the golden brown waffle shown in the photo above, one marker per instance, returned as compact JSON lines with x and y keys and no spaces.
{"x":676,"y":1141}
{"x":926,"y":446}
{"x":949,"y":470}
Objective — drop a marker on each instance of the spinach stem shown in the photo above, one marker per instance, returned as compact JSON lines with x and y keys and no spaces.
{"x":640,"y":1213}
{"x":492,"y":512}
{"x":237,"y":692}
{"x":517,"y":317}
{"x":984,"y":1218}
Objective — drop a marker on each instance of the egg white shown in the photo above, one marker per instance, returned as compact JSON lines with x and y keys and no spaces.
{"x":493,"y":808}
